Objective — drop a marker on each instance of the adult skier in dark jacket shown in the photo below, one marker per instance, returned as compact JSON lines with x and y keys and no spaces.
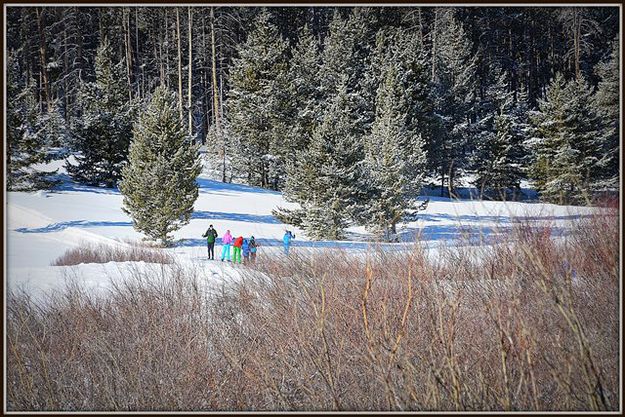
{"x":210,"y":235}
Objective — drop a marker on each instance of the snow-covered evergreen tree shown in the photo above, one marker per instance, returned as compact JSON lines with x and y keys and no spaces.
{"x":567,"y":146}
{"x":455,"y":67}
{"x":258,"y":106}
{"x":304,"y":92}
{"x":54,"y":129}
{"x":338,"y":55}
{"x":498,"y":161}
{"x":522,"y":129}
{"x":403,"y":50}
{"x":159,"y":182}
{"x":395,"y":160}
{"x":607,"y":102}
{"x":26,"y":144}
{"x":498,"y":144}
{"x":324,"y":181}
{"x":102,"y":132}
{"x":217,"y":157}
{"x":344,"y":63}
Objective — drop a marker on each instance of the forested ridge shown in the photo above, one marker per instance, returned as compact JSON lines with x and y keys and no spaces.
{"x":352,"y":108}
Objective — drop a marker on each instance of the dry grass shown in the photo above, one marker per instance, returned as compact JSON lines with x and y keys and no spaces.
{"x":103,"y":253}
{"x":530,"y":324}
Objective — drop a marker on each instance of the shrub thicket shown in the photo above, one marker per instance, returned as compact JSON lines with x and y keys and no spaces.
{"x":531,"y":323}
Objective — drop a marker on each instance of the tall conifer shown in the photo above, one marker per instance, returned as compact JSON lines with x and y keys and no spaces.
{"x":159,"y":183}
{"x":395,"y":160}
{"x":102,"y":131}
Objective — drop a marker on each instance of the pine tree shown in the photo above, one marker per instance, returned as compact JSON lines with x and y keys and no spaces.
{"x":338,"y":58}
{"x":566,"y":148}
{"x":498,"y":153}
{"x":522,"y":129}
{"x":324,"y":180}
{"x":499,"y":169}
{"x":607,"y":103}
{"x":258,"y":106}
{"x":455,"y":67}
{"x":25,"y":141}
{"x":102,"y":132}
{"x":54,"y":129}
{"x":395,"y":160}
{"x":344,"y":62}
{"x":159,"y":183}
{"x":304,"y":92}
{"x":404,"y":50}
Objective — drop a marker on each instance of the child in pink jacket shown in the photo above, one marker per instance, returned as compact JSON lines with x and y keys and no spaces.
{"x":226,"y":242}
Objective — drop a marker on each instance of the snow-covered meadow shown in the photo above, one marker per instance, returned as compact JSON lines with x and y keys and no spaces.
{"x":181,"y":333}
{"x":41,"y":226}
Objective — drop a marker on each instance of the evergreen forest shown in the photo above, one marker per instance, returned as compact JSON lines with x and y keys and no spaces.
{"x":349,"y":111}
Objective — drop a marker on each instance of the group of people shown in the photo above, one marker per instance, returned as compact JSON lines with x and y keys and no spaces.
{"x":240,"y":246}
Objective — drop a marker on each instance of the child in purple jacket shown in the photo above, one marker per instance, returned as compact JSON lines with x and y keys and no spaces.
{"x":226,"y":242}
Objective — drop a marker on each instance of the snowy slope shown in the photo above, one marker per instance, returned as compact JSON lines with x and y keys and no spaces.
{"x":41,"y":226}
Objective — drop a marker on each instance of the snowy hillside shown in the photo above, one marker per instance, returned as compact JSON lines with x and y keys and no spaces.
{"x":41,"y":226}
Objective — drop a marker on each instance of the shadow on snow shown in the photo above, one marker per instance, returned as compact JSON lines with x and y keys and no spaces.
{"x":235,"y":217}
{"x":67,"y":184}
{"x":223,"y":188}
{"x":496,"y":219}
{"x":57,"y":227}
{"x":205,"y":186}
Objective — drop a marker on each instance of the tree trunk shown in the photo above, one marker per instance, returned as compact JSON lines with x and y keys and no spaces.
{"x":179,"y":64}
{"x":221,"y":112}
{"x":216,"y":96}
{"x":166,"y":50}
{"x":434,"y":44}
{"x":65,"y":75}
{"x":45,"y":85}
{"x":206,"y":100}
{"x":127,"y":48}
{"x":138,"y":60}
{"x":451,"y":176}
{"x":577,"y":34}
{"x":160,"y":61}
{"x":532,"y":56}
{"x":420,"y":17}
{"x":442,"y":182}
{"x":190,"y":84}
{"x":205,"y":106}
{"x":79,"y":45}
{"x":264,"y":181}
{"x":158,"y":55}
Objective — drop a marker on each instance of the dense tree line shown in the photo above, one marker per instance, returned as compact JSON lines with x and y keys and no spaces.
{"x":347,"y":110}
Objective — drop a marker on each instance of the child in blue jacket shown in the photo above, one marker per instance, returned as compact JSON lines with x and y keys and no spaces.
{"x":253,"y":249}
{"x":246,"y":251}
{"x":288,"y":236}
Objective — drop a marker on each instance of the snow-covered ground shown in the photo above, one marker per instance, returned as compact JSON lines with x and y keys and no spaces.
{"x":41,"y":226}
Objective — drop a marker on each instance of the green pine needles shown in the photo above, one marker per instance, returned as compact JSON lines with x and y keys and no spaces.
{"x":102,"y":132}
{"x":159,"y":182}
{"x":25,"y":132}
{"x":568,"y":148}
